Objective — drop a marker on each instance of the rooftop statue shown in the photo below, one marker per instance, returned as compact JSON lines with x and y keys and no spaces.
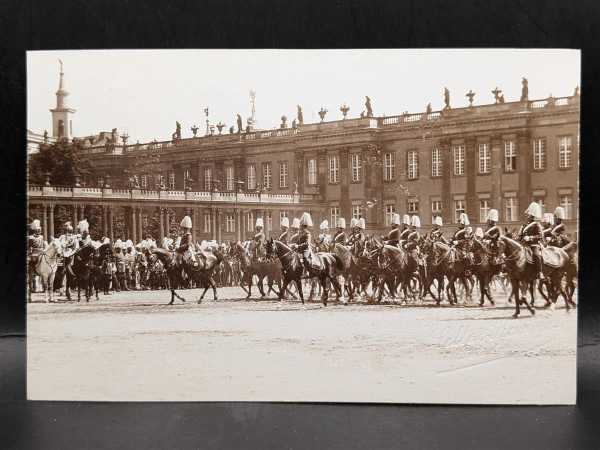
{"x":446,"y":98}
{"x":300,"y":115}
{"x":497,"y":93}
{"x":239,"y":123}
{"x":368,"y":106}
{"x":177,"y":135}
{"x":470,"y":95}
{"x":524,"y":90}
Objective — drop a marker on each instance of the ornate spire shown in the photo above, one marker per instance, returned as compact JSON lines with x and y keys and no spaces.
{"x":62,"y":93}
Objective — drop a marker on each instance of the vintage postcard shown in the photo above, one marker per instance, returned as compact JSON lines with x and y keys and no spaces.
{"x":394,"y":226}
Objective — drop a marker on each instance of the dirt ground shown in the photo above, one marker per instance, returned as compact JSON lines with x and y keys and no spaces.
{"x":132,"y":346}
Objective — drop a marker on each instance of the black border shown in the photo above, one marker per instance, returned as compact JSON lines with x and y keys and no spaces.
{"x":39,"y":24}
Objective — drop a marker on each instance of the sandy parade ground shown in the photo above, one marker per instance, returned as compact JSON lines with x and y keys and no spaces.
{"x":132,"y":346}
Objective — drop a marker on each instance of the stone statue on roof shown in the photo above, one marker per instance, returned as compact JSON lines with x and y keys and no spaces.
{"x":368,"y":106}
{"x":524,"y":90}
{"x":446,"y":98}
{"x":300,"y":115}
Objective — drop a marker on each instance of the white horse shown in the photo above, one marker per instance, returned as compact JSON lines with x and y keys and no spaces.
{"x":46,"y":267}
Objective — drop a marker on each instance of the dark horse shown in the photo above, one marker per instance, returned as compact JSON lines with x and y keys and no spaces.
{"x":203,"y":273}
{"x":268,"y":269}
{"x":79,"y":273}
{"x":445,"y":260}
{"x":174,"y":267}
{"x":484,"y":267}
{"x":331,"y":265}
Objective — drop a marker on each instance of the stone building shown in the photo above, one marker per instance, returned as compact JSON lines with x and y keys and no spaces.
{"x":470,"y":159}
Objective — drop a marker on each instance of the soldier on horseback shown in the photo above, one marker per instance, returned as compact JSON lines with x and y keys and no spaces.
{"x":324,"y":239}
{"x":284,"y":236}
{"x":531,"y":235}
{"x":340,"y":235}
{"x":493,"y":231}
{"x":186,"y":245}
{"x":69,"y":244}
{"x":393,"y":237}
{"x":462,"y":235}
{"x":35,"y":244}
{"x":84,"y":233}
{"x":559,"y":230}
{"x":436,"y":233}
{"x":259,"y":240}
{"x":357,"y":238}
{"x":547,"y":225}
{"x":294,"y":231}
{"x":405,"y":231}
{"x":412,"y":240}
{"x":305,"y":240}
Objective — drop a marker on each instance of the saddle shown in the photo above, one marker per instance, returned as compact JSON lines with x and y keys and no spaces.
{"x":316,"y":263}
{"x":551,"y":256}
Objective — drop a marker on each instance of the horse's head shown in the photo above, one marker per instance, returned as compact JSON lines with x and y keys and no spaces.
{"x":270,"y":247}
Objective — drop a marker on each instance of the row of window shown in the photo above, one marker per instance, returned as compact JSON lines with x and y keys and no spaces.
{"x":510,"y":208}
{"x":229,"y":222}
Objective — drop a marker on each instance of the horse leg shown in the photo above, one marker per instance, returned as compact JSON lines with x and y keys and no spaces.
{"x":325,"y":293}
{"x":299,"y":287}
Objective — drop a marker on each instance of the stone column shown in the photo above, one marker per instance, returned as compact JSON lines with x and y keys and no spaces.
{"x":161,"y":223}
{"x":299,"y":172}
{"x":447,"y":163}
{"x":45,"y":222}
{"x":133,"y":225}
{"x":81,"y":212}
{"x":238,"y":225}
{"x":345,"y":204}
{"x":213,"y":213}
{"x":110,"y":224}
{"x":74,"y":216}
{"x":140,"y":225}
{"x":195,"y":223}
{"x":51,"y":221}
{"x":471,"y":170}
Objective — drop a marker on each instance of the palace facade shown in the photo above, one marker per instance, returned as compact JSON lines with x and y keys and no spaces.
{"x":470,"y":159}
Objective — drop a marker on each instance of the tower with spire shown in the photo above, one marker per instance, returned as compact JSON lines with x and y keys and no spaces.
{"x":61,"y":114}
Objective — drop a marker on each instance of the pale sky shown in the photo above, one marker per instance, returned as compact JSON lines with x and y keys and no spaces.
{"x":145,"y":91}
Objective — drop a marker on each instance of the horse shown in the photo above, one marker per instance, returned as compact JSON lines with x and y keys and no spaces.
{"x":97,"y":267}
{"x":523,"y":272}
{"x":79,"y":272}
{"x":202,"y":274}
{"x":45,"y":268}
{"x":174,"y":268}
{"x":397,"y":267}
{"x":484,"y":268}
{"x":262,"y":269}
{"x":330,"y":266}
{"x":445,"y":260}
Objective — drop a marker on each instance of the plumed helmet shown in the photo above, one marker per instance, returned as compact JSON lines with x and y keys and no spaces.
{"x":415,"y":221}
{"x":479,"y":232}
{"x":559,"y":212}
{"x":406,"y":219}
{"x":464,"y":219}
{"x":105,"y":241}
{"x":353,"y":222}
{"x":469,"y":230}
{"x":118,"y":243}
{"x":534,"y":209}
{"x":361,"y":223}
{"x":68,"y":226}
{"x":186,"y":222}
{"x":548,"y":218}
{"x":438,"y":221}
{"x":35,"y":225}
{"x":285,"y":222}
{"x":259,"y":222}
{"x":129,"y":243}
{"x":295,"y":223}
{"x":395,"y":219}
{"x":83,"y":225}
{"x":492,"y":215}
{"x":341,"y":222}
{"x":324,"y":225}
{"x":306,"y":220}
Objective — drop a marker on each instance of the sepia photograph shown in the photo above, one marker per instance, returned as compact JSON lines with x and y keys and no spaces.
{"x":365,"y":226}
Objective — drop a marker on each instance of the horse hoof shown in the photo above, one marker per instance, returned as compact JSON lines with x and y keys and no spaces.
{"x":515,"y":316}
{"x":199,"y":301}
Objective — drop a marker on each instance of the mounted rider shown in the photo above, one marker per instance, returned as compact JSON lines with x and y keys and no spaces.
{"x":393,"y":237}
{"x":35,"y":243}
{"x":340,"y":234}
{"x":559,"y":231}
{"x":412,"y":240}
{"x":305,"y":240}
{"x":357,"y":238}
{"x":324,"y":239}
{"x":284,"y":235}
{"x":405,"y":231}
{"x":547,"y":225}
{"x":69,"y":244}
{"x":259,"y":240}
{"x":531,"y":235}
{"x":294,"y":231}
{"x":186,"y":245}
{"x":462,"y":235}
{"x":437,"y":235}
{"x":493,"y":231}
{"x":84,"y":233}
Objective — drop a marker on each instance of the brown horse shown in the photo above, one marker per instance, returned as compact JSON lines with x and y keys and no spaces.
{"x":484,"y":267}
{"x":397,"y":267}
{"x":80,"y":273}
{"x":268,"y":269}
{"x":522,"y":272}
{"x":45,"y":268}
{"x":445,"y":260}
{"x":202,"y":274}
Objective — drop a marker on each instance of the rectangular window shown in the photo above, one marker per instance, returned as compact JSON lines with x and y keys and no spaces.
{"x":229,"y":223}
{"x":412,"y":206}
{"x":334,"y":214}
{"x":511,"y":213}
{"x":436,"y":209}
{"x":459,"y":208}
{"x":172,"y":180}
{"x":208,"y":184}
{"x":510,"y":156}
{"x":459,"y":159}
{"x":412,"y":163}
{"x":207,"y":223}
{"x":356,"y":211}
{"x":334,"y":169}
{"x":283,"y":174}
{"x":267,"y":175}
{"x":564,"y":152}
{"x":251,"y":177}
{"x":356,"y":163}
{"x":312,"y":171}
{"x":229,"y":178}
{"x":436,"y":162}
{"x":389,"y":213}
{"x":484,"y":209}
{"x":539,"y":154}
{"x":144,"y":181}
{"x":249,"y":221}
{"x":389,"y":165}
{"x":485,"y":158}
{"x":567,"y":203}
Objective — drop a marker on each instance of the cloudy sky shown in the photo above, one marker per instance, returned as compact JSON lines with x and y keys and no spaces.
{"x":145,"y":91}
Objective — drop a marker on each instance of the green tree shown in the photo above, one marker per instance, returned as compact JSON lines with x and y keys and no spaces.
{"x":61,"y":160}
